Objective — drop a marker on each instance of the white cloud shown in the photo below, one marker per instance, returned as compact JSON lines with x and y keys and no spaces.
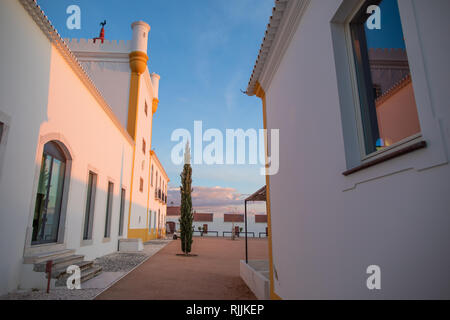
{"x":217,"y":200}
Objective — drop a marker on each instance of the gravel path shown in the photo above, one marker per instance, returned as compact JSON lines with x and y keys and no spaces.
{"x":55,"y":294}
{"x":120,"y":261}
{"x":114,"y":266}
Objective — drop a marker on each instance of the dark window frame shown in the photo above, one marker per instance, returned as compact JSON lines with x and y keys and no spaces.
{"x":90,"y":206}
{"x":122,"y":210}
{"x":151,"y":181}
{"x":366,"y":95}
{"x":109,"y":205}
{"x":54,"y":152}
{"x":2,"y":129}
{"x":409,"y":144}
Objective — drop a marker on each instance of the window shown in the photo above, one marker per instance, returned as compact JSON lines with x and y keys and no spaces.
{"x":387,"y":106}
{"x":49,"y":195}
{"x":1,"y":130}
{"x":146,"y":108}
{"x":158,"y":224}
{"x":141,"y":185}
{"x":143,"y":146}
{"x":109,"y":203}
{"x":151,"y":181}
{"x":122,"y":211}
{"x":90,"y":205}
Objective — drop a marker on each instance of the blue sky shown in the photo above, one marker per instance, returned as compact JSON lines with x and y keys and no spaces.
{"x":391,"y":34}
{"x":204,"y":51}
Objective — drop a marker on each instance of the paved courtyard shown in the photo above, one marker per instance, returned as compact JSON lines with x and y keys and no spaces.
{"x":213,"y":274}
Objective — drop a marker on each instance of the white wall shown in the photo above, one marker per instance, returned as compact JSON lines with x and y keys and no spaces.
{"x":327,"y":228}
{"x":113,"y":79}
{"x":157,"y":205}
{"x":96,"y":144}
{"x":141,"y":200}
{"x":219,"y":225}
{"x":42,"y":99}
{"x":108,"y":66}
{"x":24,"y":84}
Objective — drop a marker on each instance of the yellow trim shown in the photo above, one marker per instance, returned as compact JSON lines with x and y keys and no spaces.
{"x":138,"y":64}
{"x":155,"y":103}
{"x":274,"y":296}
{"x":133,"y":104}
{"x":146,"y":234}
{"x":153,"y":154}
{"x":260,"y":93}
{"x":139,"y":234}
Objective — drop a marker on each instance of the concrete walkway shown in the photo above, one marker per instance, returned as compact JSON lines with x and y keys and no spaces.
{"x":213,"y":274}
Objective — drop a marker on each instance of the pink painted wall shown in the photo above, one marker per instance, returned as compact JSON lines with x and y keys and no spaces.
{"x":397,"y":116}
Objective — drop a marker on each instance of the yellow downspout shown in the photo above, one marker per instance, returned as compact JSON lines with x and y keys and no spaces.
{"x":138,"y":64}
{"x":260,"y":93}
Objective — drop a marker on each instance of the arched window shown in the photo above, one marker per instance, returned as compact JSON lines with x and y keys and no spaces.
{"x":47,"y":212}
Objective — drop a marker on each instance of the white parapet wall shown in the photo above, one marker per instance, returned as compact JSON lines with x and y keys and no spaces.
{"x":130,"y":245}
{"x":108,"y":46}
{"x":255,"y":275}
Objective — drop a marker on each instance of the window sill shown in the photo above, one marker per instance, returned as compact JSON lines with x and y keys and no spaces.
{"x":86,"y":242}
{"x":399,"y":152}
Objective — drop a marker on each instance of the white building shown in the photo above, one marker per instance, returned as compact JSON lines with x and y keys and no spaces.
{"x":158,"y":192}
{"x":75,"y":140}
{"x":364,"y":178}
{"x":220,"y":224}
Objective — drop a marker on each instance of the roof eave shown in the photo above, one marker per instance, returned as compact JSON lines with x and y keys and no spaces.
{"x":286,"y":16}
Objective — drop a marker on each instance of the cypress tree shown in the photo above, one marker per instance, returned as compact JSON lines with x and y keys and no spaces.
{"x":187,"y":216}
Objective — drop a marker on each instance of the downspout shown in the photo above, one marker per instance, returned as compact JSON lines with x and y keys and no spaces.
{"x":260,"y":93}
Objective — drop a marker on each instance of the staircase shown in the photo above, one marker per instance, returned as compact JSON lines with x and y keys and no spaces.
{"x":61,"y":260}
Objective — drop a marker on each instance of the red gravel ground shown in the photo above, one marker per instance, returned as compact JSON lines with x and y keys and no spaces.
{"x":212,"y":275}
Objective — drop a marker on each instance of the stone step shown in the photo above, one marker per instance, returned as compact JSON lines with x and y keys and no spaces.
{"x":45,"y":256}
{"x":62,"y":271}
{"x":59,"y":262}
{"x":86,"y":275}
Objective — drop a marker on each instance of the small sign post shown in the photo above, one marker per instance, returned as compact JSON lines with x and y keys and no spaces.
{"x":48,"y":270}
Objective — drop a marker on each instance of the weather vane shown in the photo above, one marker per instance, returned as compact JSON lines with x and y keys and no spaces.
{"x":102,"y":32}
